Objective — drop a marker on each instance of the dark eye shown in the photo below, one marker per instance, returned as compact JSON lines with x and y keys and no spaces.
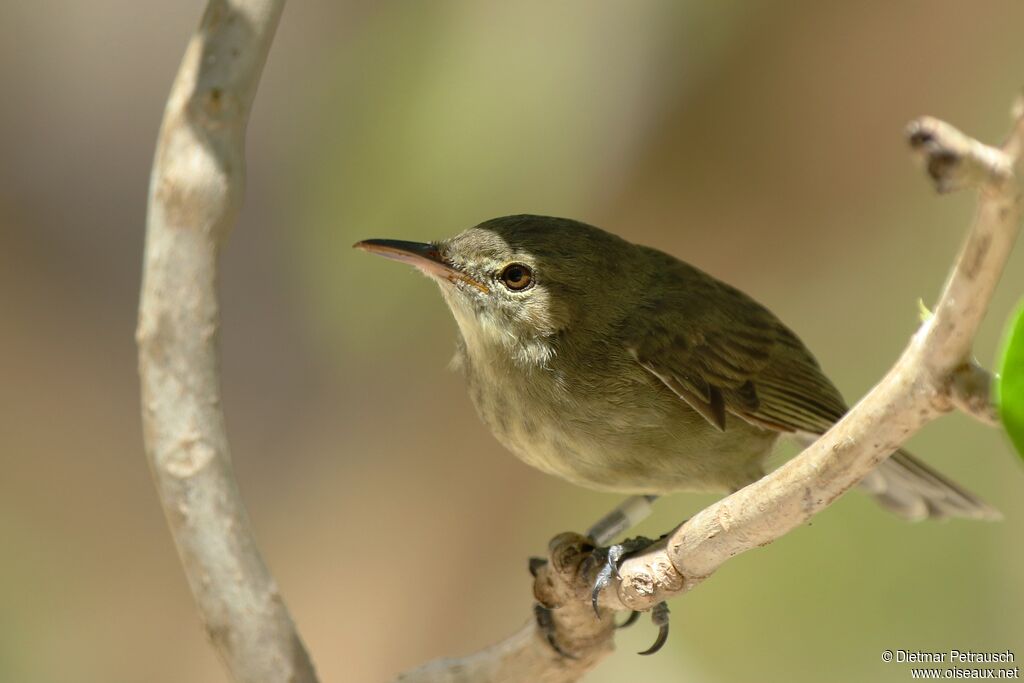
{"x":516,"y":276}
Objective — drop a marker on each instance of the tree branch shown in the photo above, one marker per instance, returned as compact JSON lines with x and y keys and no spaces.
{"x":933,"y":375}
{"x":195,"y":192}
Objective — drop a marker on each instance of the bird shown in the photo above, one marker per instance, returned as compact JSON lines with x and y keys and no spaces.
{"x":619,"y":367}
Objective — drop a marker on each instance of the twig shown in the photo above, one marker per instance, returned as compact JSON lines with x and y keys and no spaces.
{"x":195,"y":193}
{"x":933,"y":375}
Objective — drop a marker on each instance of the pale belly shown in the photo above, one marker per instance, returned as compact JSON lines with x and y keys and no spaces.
{"x":646,"y":440}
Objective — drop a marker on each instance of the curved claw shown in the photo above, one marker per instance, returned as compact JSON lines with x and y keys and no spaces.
{"x":600,"y":583}
{"x":595,"y":594}
{"x":659,"y":641}
{"x":659,"y":615}
{"x":634,"y":615}
{"x":612,"y":558}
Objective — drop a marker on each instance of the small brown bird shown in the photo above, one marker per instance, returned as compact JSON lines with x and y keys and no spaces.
{"x":621,"y":368}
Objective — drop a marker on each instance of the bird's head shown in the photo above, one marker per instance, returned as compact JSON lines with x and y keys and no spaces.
{"x":518,"y":282}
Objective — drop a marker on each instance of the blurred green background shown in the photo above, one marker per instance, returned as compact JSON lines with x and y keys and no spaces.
{"x":761,"y":141}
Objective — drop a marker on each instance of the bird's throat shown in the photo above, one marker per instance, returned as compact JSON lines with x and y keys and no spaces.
{"x":491,"y":340}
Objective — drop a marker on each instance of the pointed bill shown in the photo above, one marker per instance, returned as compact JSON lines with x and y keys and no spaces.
{"x":423,"y":256}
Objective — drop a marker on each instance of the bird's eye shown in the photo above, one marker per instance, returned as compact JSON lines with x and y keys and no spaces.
{"x":516,"y":277}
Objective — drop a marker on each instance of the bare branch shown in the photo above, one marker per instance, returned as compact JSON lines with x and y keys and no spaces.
{"x":915,"y":391}
{"x":195,"y":192}
{"x":933,"y":375}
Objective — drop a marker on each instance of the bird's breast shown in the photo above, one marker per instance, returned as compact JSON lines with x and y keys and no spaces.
{"x":607,"y":424}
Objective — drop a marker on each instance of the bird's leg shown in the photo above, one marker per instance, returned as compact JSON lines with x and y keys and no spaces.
{"x":631,"y":512}
{"x":627,"y":515}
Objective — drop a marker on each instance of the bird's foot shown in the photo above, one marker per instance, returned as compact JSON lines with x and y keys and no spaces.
{"x":609,"y":559}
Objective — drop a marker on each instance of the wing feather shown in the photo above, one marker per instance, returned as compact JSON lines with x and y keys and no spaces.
{"x":725,"y":354}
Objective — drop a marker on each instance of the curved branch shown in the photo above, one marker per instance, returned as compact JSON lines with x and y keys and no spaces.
{"x":919,"y":388}
{"x":933,"y":375}
{"x":195,"y":193}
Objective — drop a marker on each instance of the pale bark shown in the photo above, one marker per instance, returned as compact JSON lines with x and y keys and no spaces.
{"x":196,"y":189}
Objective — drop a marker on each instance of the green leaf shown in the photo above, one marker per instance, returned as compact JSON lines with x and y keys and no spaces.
{"x":923,"y":311}
{"x":1010,"y":384}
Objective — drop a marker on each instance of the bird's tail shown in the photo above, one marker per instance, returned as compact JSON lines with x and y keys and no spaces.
{"x":907,"y":487}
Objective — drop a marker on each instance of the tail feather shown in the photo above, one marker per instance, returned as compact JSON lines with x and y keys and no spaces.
{"x":907,"y":487}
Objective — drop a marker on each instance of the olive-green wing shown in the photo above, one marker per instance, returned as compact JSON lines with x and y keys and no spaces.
{"x":723,"y":353}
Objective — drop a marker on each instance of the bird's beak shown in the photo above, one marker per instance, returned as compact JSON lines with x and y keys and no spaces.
{"x":425,"y":257}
